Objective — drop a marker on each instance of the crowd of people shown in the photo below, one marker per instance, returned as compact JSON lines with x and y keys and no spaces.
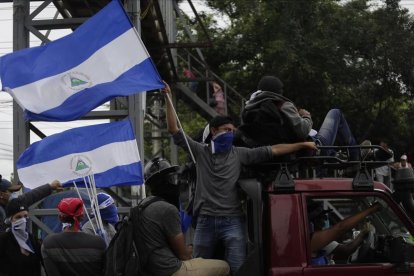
{"x":217,"y":212}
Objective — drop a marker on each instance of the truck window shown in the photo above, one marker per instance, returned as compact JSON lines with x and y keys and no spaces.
{"x":366,"y":240}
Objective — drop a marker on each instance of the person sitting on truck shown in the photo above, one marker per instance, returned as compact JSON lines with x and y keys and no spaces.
{"x":323,"y":239}
{"x":271,"y":118}
{"x":217,"y":205}
{"x":161,"y":228}
{"x":319,"y":219}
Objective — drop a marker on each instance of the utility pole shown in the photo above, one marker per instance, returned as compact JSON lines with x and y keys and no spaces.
{"x":21,"y":132}
{"x":136,"y":105}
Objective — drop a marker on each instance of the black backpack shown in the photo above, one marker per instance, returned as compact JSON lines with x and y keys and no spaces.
{"x":126,"y":254}
{"x":263,"y":123}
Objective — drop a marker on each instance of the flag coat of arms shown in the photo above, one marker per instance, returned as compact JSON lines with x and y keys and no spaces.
{"x":107,"y":151}
{"x":66,"y":78}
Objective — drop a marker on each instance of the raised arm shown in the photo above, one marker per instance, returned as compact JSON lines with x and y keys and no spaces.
{"x":281,"y":149}
{"x":40,"y":192}
{"x":321,"y":238}
{"x":171,"y":119}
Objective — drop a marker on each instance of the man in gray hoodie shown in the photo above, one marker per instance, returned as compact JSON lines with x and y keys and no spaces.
{"x":217,"y":205}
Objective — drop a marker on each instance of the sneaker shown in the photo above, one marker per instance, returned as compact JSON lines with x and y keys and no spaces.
{"x":365,"y":152}
{"x":341,"y":156}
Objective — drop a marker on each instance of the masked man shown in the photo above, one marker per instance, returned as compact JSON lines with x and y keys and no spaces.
{"x":109,"y":216}
{"x":73,"y":252}
{"x":217,"y":206}
{"x":19,"y":250}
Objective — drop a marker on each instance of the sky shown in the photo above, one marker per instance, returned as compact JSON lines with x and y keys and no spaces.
{"x":6,"y":44}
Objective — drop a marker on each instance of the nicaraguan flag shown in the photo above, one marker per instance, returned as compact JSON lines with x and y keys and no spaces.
{"x":66,"y":78}
{"x":108,"y":151}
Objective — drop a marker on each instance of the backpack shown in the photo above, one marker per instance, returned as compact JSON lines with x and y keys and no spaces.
{"x":263,"y":122}
{"x":126,"y":254}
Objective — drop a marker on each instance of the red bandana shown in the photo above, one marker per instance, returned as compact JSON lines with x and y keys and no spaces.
{"x":71,"y":207}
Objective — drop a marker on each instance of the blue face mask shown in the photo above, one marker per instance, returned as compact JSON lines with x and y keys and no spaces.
{"x":222,"y":142}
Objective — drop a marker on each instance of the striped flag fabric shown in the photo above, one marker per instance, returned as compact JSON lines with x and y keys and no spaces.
{"x":66,"y":78}
{"x":107,"y":151}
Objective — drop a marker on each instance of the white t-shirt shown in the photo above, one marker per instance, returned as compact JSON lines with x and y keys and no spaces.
{"x":385,"y":170}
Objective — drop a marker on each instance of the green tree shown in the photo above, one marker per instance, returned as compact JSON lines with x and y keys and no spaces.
{"x":355,"y":55}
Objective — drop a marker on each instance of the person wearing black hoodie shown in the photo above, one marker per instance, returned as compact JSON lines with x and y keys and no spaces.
{"x":19,"y":249}
{"x":271,"y":118}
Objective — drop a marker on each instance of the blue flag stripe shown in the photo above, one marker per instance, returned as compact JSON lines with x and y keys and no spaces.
{"x":107,"y":24}
{"x":61,"y":144}
{"x":120,"y":176}
{"x":125,"y":85}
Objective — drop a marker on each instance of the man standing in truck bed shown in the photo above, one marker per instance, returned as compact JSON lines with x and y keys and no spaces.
{"x":217,"y":205}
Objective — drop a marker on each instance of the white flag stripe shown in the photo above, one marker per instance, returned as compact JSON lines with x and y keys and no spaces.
{"x":99,"y":68}
{"x":102,"y":159}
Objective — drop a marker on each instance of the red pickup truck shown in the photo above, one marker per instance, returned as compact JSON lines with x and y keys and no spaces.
{"x":279,"y":229}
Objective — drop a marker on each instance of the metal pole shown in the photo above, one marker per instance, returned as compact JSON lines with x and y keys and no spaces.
{"x":136,"y":105}
{"x":21,"y":133}
{"x":156,"y":131}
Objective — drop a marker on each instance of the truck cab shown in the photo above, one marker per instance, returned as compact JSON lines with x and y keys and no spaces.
{"x":280,"y":231}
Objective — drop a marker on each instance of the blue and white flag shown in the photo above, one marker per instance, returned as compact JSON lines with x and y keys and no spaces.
{"x":108,"y":151}
{"x":66,"y":78}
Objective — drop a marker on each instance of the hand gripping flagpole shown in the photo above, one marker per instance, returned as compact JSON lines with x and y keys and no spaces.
{"x":180,"y":126}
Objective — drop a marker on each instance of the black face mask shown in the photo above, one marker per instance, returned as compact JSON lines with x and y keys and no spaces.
{"x":168,"y":191}
{"x":174,"y":200}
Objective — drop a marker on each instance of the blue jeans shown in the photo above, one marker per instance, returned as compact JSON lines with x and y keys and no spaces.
{"x":230,"y":230}
{"x":335,"y":126}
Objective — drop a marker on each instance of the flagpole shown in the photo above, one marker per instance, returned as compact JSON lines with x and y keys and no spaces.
{"x":91,"y":178}
{"x":95,"y":197}
{"x":92,"y":181}
{"x":90,"y":196}
{"x":84,"y":207}
{"x":93,"y":200}
{"x":180,"y":126}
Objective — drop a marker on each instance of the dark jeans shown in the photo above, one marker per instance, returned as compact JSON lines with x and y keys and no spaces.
{"x":230,"y":230}
{"x":335,"y":126}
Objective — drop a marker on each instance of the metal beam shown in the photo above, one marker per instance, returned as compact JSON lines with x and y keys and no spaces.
{"x":39,"y":9}
{"x":136,"y":105}
{"x":108,"y":114}
{"x":198,"y":104}
{"x":63,"y":23}
{"x":165,"y":38}
{"x":188,"y":45}
{"x":37,"y":131}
